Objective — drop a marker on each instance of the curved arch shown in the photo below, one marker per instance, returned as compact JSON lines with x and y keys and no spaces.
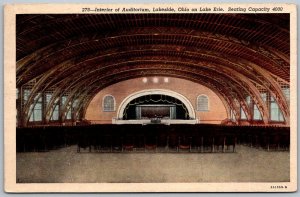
{"x":176,"y":95}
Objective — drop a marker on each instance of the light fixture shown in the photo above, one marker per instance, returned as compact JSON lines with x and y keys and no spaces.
{"x":155,"y":80}
{"x":166,"y":80}
{"x":145,"y":80}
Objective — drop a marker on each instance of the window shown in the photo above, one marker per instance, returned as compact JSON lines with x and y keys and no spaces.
{"x":75,"y":103}
{"x":109,"y":103}
{"x":275,"y":112}
{"x":256,"y":113}
{"x":248,"y":100}
{"x":36,"y":114}
{"x":202,"y":103}
{"x":69,"y":113}
{"x":63,"y":100}
{"x":26,"y":94}
{"x":48,"y":97}
{"x":74,"y":108}
{"x":243,"y":115}
{"x":286,"y":92}
{"x":232,"y":116}
{"x":264,"y":96}
{"x":55,"y":113}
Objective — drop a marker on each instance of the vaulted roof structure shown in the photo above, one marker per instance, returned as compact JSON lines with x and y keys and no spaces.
{"x":235,"y":55}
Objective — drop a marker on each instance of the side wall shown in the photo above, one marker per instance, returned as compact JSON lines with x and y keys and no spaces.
{"x":190,"y":90}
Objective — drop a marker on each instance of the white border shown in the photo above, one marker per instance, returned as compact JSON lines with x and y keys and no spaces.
{"x":10,"y":122}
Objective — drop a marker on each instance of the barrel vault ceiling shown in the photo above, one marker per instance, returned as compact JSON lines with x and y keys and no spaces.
{"x":235,"y":55}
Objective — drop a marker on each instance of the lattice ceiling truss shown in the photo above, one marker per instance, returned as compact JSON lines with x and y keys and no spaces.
{"x":235,"y":55}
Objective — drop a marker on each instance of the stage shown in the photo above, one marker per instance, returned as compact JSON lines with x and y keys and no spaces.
{"x":154,"y":121}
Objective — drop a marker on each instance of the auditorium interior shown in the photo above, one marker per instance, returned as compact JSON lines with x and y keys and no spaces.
{"x":140,"y":98}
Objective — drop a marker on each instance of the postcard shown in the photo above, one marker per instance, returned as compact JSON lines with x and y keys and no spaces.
{"x":150,"y":98}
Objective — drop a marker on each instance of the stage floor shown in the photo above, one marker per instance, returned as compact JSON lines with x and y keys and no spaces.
{"x":67,"y":166}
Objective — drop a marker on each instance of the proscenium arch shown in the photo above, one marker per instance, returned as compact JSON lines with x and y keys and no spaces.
{"x":166,"y":92}
{"x":227,"y":102}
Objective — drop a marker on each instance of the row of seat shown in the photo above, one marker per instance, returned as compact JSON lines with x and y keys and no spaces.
{"x":156,"y":137}
{"x":160,"y":143}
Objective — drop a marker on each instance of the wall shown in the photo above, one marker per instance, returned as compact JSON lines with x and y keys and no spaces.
{"x":190,"y":90}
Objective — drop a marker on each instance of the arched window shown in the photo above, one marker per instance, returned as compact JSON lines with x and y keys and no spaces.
{"x":202,"y":103}
{"x":108,"y":103}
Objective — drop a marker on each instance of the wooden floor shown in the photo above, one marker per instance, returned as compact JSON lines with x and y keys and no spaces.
{"x":67,"y":166}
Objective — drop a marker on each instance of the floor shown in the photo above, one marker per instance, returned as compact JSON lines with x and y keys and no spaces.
{"x":67,"y":166}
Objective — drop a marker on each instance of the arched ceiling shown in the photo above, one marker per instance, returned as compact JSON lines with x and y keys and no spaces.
{"x":235,"y":55}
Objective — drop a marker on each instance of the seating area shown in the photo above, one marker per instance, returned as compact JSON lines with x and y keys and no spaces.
{"x":199,"y":138}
